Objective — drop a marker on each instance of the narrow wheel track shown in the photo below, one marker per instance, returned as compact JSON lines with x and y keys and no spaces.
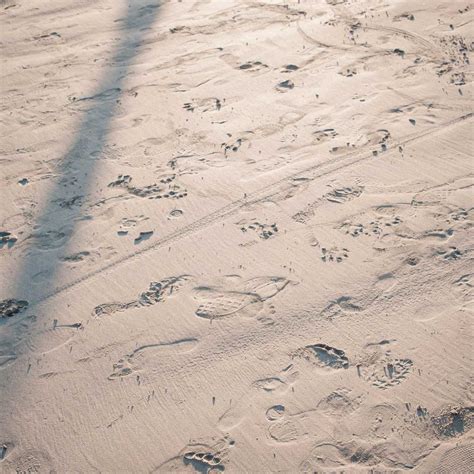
{"x":310,"y":173}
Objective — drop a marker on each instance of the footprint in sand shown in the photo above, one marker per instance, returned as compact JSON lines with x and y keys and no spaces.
{"x":142,"y":236}
{"x":323,"y":356}
{"x":263,"y":231}
{"x":373,"y":228}
{"x":142,"y":358}
{"x":285,"y":427}
{"x":334,"y":254}
{"x":344,"y":305}
{"x":253,"y":66}
{"x":232,"y":145}
{"x":157,"y":292}
{"x":245,"y":297}
{"x":274,"y":413}
{"x":383,"y":421}
{"x":324,"y":135}
{"x":277,"y":384}
{"x":203,"y":457}
{"x":452,"y":422}
{"x":50,"y":239}
{"x":203,"y":105}
{"x":12,"y":334}
{"x":342,"y":195}
{"x":348,"y":72}
{"x":285,"y":86}
{"x":93,"y":255}
{"x":339,"y":403}
{"x":337,"y":195}
{"x":459,"y":215}
{"x":330,"y":456}
{"x":290,"y":68}
{"x":286,"y":431}
{"x":269,"y":384}
{"x":464,"y":285}
{"x":452,"y":253}
{"x":12,"y":307}
{"x":384,"y":370}
{"x":30,"y":461}
{"x":7,"y":239}
{"x":30,"y":335}
{"x":167,"y":189}
{"x":175,"y":214}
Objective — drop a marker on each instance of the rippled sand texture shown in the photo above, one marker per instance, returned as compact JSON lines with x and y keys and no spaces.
{"x":234,"y":235}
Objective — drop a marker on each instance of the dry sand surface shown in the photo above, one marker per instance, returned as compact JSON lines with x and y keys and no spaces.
{"x":235,"y":235}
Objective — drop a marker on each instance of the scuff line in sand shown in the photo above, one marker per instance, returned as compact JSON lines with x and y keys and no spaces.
{"x":252,"y":198}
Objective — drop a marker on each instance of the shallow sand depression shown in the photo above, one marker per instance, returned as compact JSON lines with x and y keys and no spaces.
{"x":234,"y":236}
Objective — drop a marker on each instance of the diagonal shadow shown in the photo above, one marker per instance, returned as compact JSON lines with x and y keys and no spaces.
{"x":56,"y":222}
{"x":62,"y":210}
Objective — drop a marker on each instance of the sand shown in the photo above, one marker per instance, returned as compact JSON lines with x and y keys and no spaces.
{"x":235,"y":236}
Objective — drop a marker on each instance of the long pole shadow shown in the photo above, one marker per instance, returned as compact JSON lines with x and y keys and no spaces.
{"x":57,"y":220}
{"x":21,"y":328}
{"x":55,"y":225}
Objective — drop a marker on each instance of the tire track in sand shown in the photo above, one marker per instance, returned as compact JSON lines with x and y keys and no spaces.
{"x":310,"y":174}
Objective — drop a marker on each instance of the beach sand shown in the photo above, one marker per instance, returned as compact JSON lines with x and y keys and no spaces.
{"x":235,"y":236}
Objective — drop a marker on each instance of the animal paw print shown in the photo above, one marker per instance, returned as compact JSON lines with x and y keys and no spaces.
{"x":465,"y":281}
{"x":349,"y":72}
{"x":122,"y":181}
{"x":379,"y":137}
{"x":355,"y":230}
{"x":232,"y":146}
{"x":264,"y":231}
{"x":167,"y":179}
{"x":373,"y":228}
{"x":252,"y":66}
{"x":326,"y":134}
{"x":121,"y":369}
{"x":376,"y":227}
{"x":334,"y":254}
{"x":452,"y":254}
{"x":459,"y":215}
